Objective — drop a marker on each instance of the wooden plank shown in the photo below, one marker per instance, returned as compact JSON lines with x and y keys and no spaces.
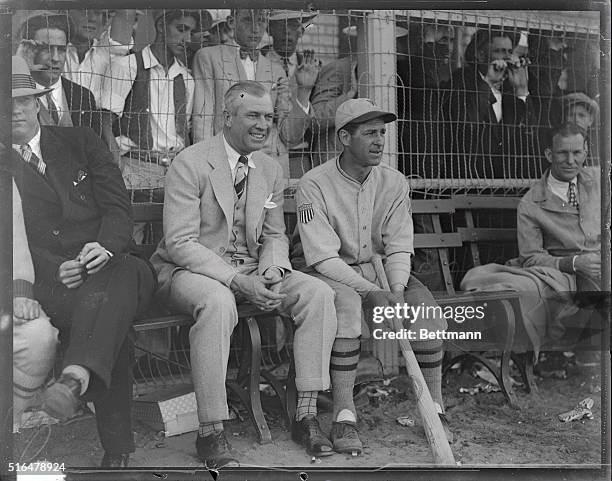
{"x":162,"y":322}
{"x":481,"y":234}
{"x":437,"y":240}
{"x":432,"y":206}
{"x":484,"y":202}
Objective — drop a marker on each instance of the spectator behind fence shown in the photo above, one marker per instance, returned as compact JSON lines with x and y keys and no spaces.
{"x":34,"y":338}
{"x":150,"y":94}
{"x":224,"y":241}
{"x":559,"y":240}
{"x":200,"y":37}
{"x":336,"y":83}
{"x":421,"y":72}
{"x":421,"y":141}
{"x":44,"y":44}
{"x":216,"y":68}
{"x":582,"y":110}
{"x":491,"y":119}
{"x":78,"y":221}
{"x":98,"y":37}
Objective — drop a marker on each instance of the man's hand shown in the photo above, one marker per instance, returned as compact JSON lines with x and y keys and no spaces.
{"x":589,"y":265}
{"x":93,"y":257}
{"x":25,"y":309}
{"x":307,"y":71}
{"x":518,"y":75}
{"x":254,"y":289}
{"x":275,"y":276}
{"x":71,"y":274}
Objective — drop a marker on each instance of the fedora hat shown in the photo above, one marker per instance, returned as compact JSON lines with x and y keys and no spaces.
{"x":22,"y":82}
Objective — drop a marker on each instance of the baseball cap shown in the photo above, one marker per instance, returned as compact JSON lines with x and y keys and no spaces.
{"x":580,"y":98}
{"x":360,"y":110}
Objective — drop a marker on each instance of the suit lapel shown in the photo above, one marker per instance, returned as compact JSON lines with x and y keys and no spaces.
{"x":221,"y":179}
{"x":59,"y":169}
{"x":231,"y":65}
{"x":33,"y":183}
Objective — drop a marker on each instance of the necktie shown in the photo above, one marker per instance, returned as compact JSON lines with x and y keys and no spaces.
{"x":571,"y":195}
{"x":180,"y":107}
{"x":32,"y":159}
{"x":52,"y":108}
{"x":240,"y":180}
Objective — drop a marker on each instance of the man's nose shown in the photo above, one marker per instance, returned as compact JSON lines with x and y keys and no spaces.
{"x":55,"y":54}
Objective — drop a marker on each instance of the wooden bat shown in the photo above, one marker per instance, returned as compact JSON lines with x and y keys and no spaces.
{"x":431,"y":421}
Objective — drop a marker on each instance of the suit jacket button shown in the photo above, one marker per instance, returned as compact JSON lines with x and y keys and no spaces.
{"x":56,"y":232}
{"x":221,"y":250}
{"x":82,"y":196}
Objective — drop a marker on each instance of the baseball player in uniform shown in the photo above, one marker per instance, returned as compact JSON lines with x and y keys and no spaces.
{"x":349,"y":209}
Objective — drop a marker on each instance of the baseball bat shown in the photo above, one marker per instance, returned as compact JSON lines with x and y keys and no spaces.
{"x":431,"y":421}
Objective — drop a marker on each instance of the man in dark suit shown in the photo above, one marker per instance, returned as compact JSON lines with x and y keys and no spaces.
{"x":67,"y":104}
{"x":492,"y":120}
{"x":78,"y":222}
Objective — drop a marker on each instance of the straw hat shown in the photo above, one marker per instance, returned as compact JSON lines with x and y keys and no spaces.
{"x":22,"y":82}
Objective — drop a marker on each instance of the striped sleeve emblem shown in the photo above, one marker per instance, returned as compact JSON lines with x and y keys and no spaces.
{"x":305,"y":213}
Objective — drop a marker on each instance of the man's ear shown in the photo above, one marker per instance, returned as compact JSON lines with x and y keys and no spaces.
{"x":227,"y":119}
{"x":344,"y":137}
{"x":231,"y":21}
{"x":548,"y":154}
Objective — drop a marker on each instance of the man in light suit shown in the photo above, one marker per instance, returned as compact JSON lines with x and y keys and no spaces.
{"x":216,"y":68}
{"x":224,"y":241}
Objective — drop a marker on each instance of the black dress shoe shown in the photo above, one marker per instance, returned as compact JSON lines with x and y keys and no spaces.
{"x":61,"y":399}
{"x":214,"y":450}
{"x":307,"y":432}
{"x":115,"y":460}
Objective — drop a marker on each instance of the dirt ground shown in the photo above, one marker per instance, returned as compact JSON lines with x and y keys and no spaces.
{"x":487,"y":432}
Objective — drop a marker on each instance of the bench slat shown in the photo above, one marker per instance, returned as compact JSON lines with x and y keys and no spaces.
{"x":480,"y":234}
{"x":432,"y":206}
{"x":147,"y":212}
{"x":449,"y":239}
{"x":483,"y":202}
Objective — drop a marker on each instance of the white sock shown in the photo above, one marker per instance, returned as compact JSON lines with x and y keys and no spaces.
{"x":81,"y":373}
{"x":346,"y":415}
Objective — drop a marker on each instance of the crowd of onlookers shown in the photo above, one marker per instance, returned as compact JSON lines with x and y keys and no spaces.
{"x":471,"y":109}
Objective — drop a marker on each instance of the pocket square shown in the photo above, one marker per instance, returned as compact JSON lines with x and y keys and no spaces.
{"x":80,"y":177}
{"x":269,"y":204}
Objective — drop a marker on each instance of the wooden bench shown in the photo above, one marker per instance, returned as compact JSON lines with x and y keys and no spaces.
{"x":246,"y":384}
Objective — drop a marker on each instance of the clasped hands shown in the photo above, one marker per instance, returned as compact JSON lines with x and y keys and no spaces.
{"x":92,"y":258}
{"x":262,"y":291}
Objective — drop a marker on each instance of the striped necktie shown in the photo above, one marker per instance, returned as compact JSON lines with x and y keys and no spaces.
{"x":32,"y":159}
{"x":572,"y":198}
{"x":52,"y":108}
{"x":240,"y":180}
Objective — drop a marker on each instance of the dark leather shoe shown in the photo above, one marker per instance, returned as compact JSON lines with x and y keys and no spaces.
{"x":61,"y":399}
{"x":345,"y":438}
{"x":214,"y":450}
{"x":115,"y":460}
{"x":307,"y":432}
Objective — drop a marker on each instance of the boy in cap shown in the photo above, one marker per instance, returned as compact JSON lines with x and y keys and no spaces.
{"x":349,"y":209}
{"x":582,"y":110}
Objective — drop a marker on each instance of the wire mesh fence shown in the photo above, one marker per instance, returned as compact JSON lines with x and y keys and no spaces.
{"x":475,"y":91}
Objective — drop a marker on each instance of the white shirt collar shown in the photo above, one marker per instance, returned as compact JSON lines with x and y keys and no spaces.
{"x":34,"y":144}
{"x":559,"y":187}
{"x":232,"y":156}
{"x":149,"y":60}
